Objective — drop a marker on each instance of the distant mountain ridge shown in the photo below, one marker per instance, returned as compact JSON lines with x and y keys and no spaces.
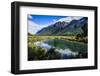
{"x":64,"y":28}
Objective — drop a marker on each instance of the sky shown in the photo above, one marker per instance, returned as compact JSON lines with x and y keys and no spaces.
{"x":37,"y":22}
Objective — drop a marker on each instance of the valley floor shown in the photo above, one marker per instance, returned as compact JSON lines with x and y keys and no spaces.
{"x":77,"y":45}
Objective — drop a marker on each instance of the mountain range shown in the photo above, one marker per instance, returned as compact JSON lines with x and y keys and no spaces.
{"x":64,"y":28}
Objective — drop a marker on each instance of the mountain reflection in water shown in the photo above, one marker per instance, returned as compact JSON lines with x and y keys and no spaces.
{"x":62,"y":49}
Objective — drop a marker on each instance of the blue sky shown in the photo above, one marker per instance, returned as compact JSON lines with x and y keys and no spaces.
{"x":37,"y":22}
{"x":44,"y":19}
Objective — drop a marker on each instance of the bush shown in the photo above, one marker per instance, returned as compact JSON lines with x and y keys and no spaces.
{"x":35,"y":53}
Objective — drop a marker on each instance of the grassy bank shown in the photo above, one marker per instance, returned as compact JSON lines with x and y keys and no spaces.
{"x":70,"y":38}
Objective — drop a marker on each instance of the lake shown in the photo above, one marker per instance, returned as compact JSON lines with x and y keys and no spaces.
{"x":63,"y":49}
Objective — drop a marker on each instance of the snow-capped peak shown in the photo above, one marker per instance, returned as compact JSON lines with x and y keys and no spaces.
{"x":69,"y":19}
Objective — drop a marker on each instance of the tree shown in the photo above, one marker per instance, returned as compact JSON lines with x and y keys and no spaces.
{"x":85,"y":29}
{"x":78,"y":36}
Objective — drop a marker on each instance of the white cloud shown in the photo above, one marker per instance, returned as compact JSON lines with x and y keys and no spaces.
{"x":34,"y":27}
{"x":70,"y":18}
{"x":29,"y":16}
{"x":54,"y":20}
